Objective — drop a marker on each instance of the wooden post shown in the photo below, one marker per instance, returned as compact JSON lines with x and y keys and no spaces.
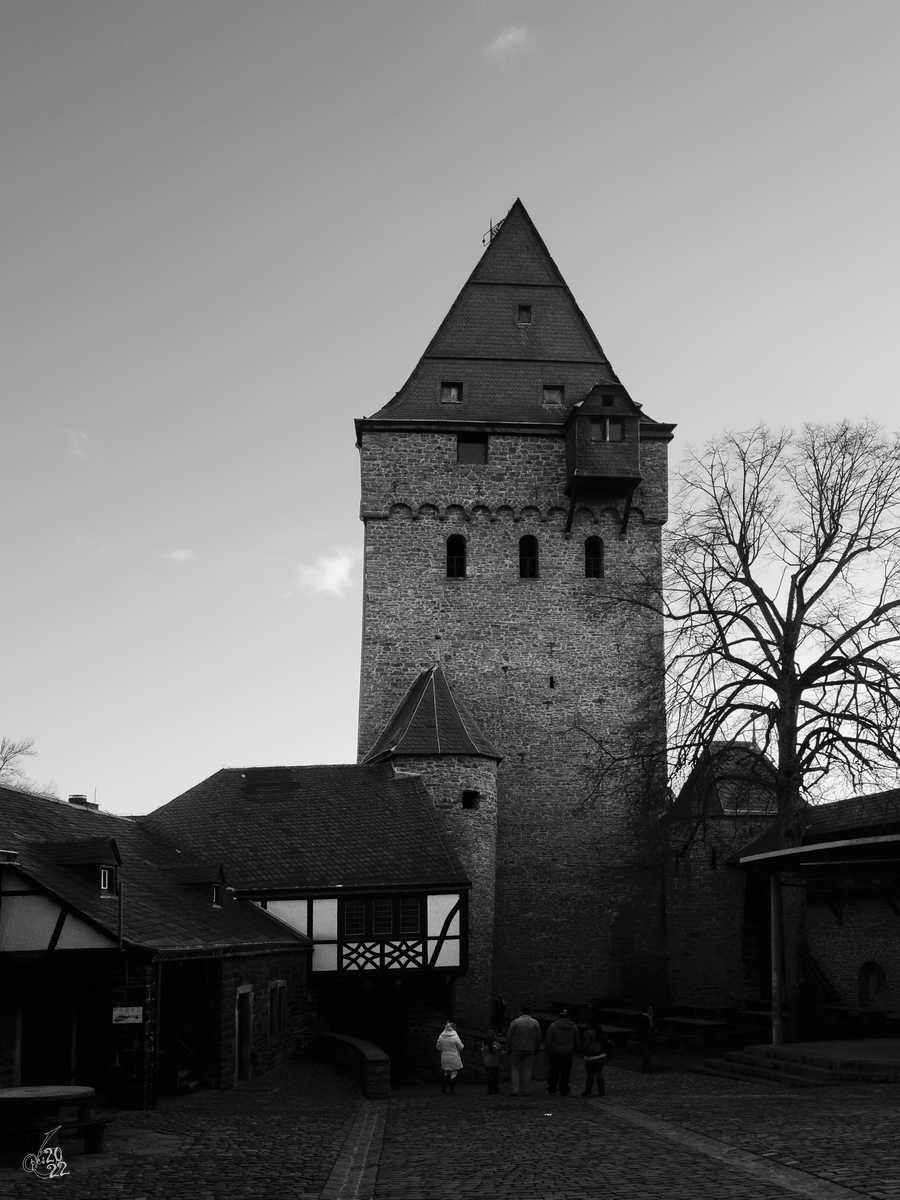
{"x":777,"y":947}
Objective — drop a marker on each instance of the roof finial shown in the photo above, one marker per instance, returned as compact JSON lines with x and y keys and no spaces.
{"x":492,"y":232}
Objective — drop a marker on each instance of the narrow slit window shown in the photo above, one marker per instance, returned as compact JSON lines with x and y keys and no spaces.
{"x":471,"y":448}
{"x":593,"y":558}
{"x":277,"y":1008}
{"x":528,"y":557}
{"x":456,"y":556}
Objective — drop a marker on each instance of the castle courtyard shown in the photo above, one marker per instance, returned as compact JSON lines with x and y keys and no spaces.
{"x":306,"y":1133}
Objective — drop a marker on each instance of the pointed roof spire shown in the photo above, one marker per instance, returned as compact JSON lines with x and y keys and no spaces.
{"x":430,"y":720}
{"x":514,"y":330}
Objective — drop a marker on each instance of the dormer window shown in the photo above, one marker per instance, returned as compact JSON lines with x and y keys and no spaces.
{"x":451,"y":393}
{"x":554,"y":395}
{"x":524,"y":317}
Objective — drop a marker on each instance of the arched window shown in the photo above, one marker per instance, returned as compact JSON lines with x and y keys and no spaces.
{"x":593,"y":558}
{"x":528,"y":557}
{"x":456,"y":556}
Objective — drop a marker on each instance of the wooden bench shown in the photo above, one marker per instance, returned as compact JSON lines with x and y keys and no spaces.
{"x":25,"y":1134}
{"x":685,"y":1027}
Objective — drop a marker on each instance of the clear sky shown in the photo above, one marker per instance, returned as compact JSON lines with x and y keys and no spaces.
{"x":228,"y":228}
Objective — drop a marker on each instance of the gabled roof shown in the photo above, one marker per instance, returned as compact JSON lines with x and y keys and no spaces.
{"x":731,"y":779}
{"x":159,"y":911}
{"x":314,"y":828}
{"x":431,"y":720}
{"x":503,"y":363}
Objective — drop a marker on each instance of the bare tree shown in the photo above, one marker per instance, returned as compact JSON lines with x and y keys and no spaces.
{"x":12,"y":752}
{"x":783,"y":603}
{"x":781,"y":595}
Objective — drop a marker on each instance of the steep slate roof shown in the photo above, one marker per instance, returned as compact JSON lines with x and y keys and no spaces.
{"x":160,"y":910}
{"x":294,"y":828}
{"x":430,"y":720}
{"x":733,"y":779}
{"x":503,"y":364}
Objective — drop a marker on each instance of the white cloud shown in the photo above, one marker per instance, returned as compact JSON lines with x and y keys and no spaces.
{"x":515,"y":40}
{"x":329,"y":573}
{"x":179,"y":556}
{"x":77,"y":443}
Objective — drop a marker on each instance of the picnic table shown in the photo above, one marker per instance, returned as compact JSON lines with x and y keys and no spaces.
{"x":685,"y":1027}
{"x":28,"y":1114}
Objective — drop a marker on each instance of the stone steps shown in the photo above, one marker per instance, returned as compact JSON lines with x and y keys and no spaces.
{"x":794,"y":1068}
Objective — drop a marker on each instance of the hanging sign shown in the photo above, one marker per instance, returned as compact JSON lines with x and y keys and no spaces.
{"x":128,"y":1016}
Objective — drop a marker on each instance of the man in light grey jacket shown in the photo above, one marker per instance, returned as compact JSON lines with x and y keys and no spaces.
{"x":523,"y":1040}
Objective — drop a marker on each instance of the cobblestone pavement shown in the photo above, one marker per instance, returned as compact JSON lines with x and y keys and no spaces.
{"x":667,"y":1135}
{"x":299,"y":1134}
{"x":276,"y":1138}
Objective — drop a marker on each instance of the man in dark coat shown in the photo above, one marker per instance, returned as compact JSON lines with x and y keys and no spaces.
{"x":561,"y":1042}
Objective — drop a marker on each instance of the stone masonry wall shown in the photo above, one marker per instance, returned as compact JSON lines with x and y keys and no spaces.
{"x":869,"y":932}
{"x":533,"y":659}
{"x":473,"y":834}
{"x":706,"y":913}
{"x":260,"y":971}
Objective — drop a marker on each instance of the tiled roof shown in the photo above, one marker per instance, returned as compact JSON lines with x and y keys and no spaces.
{"x":865,"y":815}
{"x":502,"y":362}
{"x":430,"y":720}
{"x":159,"y":909}
{"x":311,"y":827}
{"x":733,"y":779}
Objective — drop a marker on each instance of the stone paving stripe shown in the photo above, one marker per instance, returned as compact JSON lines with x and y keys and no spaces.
{"x":786,"y":1177}
{"x":356,"y":1168}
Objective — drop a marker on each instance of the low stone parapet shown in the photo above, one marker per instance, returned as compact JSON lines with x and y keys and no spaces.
{"x":367,"y":1062}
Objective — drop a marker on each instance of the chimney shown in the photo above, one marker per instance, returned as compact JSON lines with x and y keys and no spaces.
{"x":82,"y":802}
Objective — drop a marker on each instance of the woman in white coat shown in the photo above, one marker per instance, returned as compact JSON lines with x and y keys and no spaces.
{"x":449,"y":1044}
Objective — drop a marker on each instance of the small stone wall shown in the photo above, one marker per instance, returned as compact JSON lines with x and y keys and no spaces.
{"x":369,"y":1063}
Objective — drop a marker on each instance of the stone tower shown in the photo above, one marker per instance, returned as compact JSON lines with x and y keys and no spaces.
{"x":509,"y":490}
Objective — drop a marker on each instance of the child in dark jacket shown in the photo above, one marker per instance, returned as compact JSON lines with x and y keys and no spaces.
{"x":594,"y":1061}
{"x":490,"y":1056}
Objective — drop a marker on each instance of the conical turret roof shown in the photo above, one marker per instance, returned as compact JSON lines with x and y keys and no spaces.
{"x":514,"y":330}
{"x":430,"y":720}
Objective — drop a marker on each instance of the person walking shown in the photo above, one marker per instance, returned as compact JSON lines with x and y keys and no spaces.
{"x":595,"y":1045}
{"x":490,"y":1056}
{"x":561,"y":1041}
{"x":523,"y":1040}
{"x":449,"y":1043}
